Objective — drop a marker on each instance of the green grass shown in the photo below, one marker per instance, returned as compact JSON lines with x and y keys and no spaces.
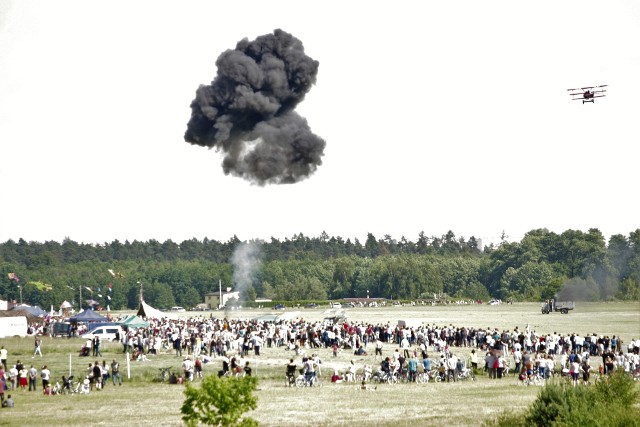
{"x":141,"y":401}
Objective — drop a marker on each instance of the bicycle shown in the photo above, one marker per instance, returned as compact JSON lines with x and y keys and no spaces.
{"x":466,"y":374}
{"x":308,"y":381}
{"x":385,"y":377}
{"x":289,"y":380}
{"x":534,"y":379}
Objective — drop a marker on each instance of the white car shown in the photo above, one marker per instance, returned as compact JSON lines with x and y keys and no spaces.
{"x":178,"y":309}
{"x":105,"y":333}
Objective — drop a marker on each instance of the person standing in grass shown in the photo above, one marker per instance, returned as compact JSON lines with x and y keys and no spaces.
{"x":13,"y":376}
{"x":105,"y":373}
{"x":45,"y":374}
{"x":115,"y":373}
{"x":37,"y":344}
{"x":23,"y":375}
{"x":3,"y":357}
{"x":586,"y":370}
{"x":97,"y":375}
{"x":574,"y":370}
{"x":291,"y":372}
{"x":96,"y":346}
{"x":452,"y":364}
{"x":33,"y":375}
{"x":378,"y":348}
{"x":413,"y":368}
{"x":405,"y":345}
{"x":517,"y":358}
{"x":2,"y":383}
{"x":257,"y":344}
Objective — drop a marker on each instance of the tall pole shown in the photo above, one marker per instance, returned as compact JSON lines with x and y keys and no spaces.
{"x":220,"y":287}
{"x":20,"y":287}
{"x":140,"y":283}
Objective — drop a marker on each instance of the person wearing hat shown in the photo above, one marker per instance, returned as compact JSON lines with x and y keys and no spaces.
{"x":187,"y":367}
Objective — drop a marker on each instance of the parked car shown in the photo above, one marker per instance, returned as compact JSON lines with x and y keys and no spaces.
{"x":279,"y":307}
{"x":104,"y":332}
{"x":178,"y":309}
{"x":61,"y":329}
{"x":311,"y":305}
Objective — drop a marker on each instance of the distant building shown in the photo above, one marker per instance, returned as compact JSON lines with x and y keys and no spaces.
{"x":213,"y":300}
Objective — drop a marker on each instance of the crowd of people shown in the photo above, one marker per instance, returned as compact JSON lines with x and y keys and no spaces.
{"x":405,"y":349}
{"x":493,"y":351}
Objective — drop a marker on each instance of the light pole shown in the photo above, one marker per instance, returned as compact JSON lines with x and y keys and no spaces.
{"x":20,"y":287}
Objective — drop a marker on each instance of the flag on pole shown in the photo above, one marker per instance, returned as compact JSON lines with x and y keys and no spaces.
{"x":41,"y":285}
{"x":89,"y":289}
{"x":13,"y":276}
{"x":111,"y":272}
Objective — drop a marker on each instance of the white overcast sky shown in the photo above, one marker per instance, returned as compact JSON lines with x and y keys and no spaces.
{"x":438,"y":115}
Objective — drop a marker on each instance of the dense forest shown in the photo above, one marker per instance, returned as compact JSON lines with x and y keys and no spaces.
{"x":574,"y":264}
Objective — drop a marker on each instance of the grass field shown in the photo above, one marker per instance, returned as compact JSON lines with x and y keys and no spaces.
{"x":141,"y":401}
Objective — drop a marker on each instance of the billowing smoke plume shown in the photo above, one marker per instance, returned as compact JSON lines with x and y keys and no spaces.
{"x":248,"y":111}
{"x":246,"y":260}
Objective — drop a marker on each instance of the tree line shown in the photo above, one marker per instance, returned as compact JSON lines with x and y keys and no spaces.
{"x":574,"y":264}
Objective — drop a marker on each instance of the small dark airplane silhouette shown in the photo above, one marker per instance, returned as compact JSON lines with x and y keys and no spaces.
{"x":587,"y":94}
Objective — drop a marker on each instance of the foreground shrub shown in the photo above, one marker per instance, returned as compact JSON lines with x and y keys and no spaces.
{"x":613,"y":402}
{"x":220,"y":402}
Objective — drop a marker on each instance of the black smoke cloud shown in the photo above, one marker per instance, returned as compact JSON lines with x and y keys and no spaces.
{"x":248,"y":111}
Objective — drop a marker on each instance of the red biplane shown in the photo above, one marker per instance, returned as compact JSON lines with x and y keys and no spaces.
{"x":587,"y":94}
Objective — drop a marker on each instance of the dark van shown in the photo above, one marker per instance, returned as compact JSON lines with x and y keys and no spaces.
{"x":61,"y":329}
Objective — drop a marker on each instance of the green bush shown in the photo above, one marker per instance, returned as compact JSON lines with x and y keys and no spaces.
{"x":220,"y":402}
{"x":612,"y":402}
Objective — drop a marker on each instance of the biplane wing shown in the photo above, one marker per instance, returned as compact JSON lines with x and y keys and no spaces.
{"x":587,"y":87}
{"x":587,"y":93}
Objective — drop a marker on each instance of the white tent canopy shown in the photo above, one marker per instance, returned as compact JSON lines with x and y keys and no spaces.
{"x":148,"y":312}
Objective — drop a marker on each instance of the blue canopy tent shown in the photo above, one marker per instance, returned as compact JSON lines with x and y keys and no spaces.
{"x":88,"y":316}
